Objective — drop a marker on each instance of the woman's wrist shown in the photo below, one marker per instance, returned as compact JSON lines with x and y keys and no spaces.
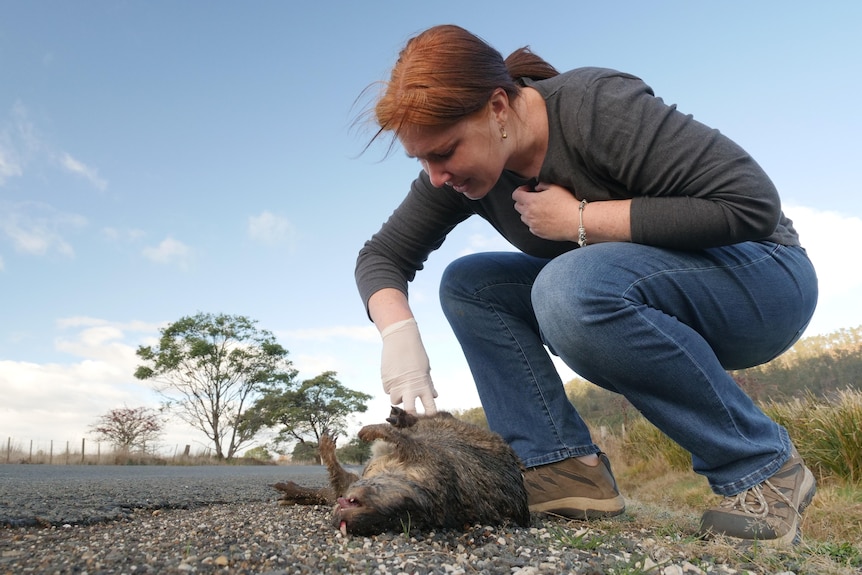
{"x":605,"y":221}
{"x":582,"y":232}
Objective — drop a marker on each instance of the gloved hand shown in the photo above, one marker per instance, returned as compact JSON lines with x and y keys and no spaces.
{"x":405,"y":369}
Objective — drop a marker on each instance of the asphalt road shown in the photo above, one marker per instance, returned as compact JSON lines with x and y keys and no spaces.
{"x":84,"y":494}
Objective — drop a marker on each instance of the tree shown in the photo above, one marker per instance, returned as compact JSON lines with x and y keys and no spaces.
{"x":356,"y":451}
{"x":318,"y":406}
{"x":305,"y":452}
{"x":259,"y":453}
{"x":474,"y":415}
{"x":209,"y":368}
{"x":129,"y":429}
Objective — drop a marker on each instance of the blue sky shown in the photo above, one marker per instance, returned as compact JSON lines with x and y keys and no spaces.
{"x":162,"y":158}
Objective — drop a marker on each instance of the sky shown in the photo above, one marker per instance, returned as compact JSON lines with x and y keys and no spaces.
{"x":160,"y":159}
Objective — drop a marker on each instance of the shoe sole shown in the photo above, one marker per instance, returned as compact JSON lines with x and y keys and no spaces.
{"x":582,"y":507}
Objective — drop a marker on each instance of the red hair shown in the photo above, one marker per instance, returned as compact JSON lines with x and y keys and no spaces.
{"x":446,"y":73}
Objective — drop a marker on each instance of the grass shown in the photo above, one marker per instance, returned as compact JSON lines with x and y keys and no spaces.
{"x":650,"y":516}
{"x":666,"y":498}
{"x":583,"y":539}
{"x":828,"y":435}
{"x":406,"y":526}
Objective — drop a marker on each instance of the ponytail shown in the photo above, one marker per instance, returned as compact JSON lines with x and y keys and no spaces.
{"x":523,"y":63}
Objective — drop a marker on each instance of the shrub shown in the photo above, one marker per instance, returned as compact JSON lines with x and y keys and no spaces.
{"x":645,"y":442}
{"x":827,"y":432}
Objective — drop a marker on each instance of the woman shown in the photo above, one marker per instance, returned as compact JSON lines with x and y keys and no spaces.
{"x":654,"y":256}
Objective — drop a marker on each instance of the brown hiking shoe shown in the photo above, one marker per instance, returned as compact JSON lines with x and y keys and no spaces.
{"x":574,"y":489}
{"x":769,"y":512}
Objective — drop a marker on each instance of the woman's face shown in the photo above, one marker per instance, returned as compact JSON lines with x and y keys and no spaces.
{"x":468,"y":156}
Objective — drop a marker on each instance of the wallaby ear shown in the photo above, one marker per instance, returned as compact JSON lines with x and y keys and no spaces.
{"x":394,"y":414}
{"x":401,"y":419}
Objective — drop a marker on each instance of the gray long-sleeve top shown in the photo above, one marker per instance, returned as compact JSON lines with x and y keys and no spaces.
{"x":609,"y":138}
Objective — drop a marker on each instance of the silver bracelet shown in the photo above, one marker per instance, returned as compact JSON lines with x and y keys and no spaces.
{"x":582,"y":233}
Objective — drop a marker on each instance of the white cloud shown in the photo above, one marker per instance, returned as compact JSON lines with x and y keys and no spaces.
{"x":827,"y":236}
{"x":60,"y":400}
{"x":20,"y":143}
{"x":37,"y":228}
{"x":270,"y":229}
{"x":80,"y":169}
{"x":10,"y":164}
{"x":104,"y":341}
{"x":170,"y":251}
{"x":18,"y":140}
{"x":55,"y":387}
{"x":830,"y":239}
{"x":99,"y":339}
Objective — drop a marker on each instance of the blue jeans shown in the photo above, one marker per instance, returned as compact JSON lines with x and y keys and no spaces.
{"x":659,"y":326}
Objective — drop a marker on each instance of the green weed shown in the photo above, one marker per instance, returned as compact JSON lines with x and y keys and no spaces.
{"x":576,"y":540}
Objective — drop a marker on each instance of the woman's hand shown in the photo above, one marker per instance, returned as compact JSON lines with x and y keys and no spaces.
{"x":550,"y":211}
{"x":404,"y":367}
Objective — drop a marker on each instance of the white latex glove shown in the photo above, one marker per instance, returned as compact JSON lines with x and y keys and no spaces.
{"x":405,"y":369}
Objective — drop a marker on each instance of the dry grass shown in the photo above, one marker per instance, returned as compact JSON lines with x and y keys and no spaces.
{"x":668,"y":501}
{"x":828,"y":434}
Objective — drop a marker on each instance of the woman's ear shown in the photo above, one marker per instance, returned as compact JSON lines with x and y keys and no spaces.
{"x":498,"y":104}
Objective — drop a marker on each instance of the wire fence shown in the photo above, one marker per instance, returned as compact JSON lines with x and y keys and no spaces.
{"x":89,"y":452}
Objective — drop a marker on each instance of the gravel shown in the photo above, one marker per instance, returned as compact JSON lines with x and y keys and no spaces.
{"x":86,"y":522}
{"x":266,"y":538}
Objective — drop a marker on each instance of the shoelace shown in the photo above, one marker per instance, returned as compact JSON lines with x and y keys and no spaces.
{"x":759,"y":507}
